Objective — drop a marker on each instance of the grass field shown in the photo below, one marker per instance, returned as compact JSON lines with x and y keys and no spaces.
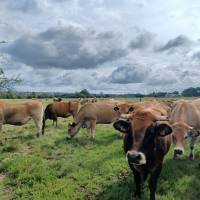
{"x":53,"y":168}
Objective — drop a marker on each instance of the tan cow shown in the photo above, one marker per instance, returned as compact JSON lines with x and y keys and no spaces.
{"x":185,"y":121}
{"x":21,"y":113}
{"x":96,"y":113}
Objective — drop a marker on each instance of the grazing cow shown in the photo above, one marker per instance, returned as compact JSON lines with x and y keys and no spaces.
{"x":61,"y":109}
{"x":21,"y":113}
{"x":185,"y":121}
{"x":146,"y":141}
{"x":96,"y":113}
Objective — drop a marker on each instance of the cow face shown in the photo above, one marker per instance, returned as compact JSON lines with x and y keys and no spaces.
{"x":181,"y":131}
{"x":72,"y":129}
{"x":140,"y":136}
{"x":123,"y":109}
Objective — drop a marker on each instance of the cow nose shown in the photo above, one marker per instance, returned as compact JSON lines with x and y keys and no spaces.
{"x":178,"y":151}
{"x":134,"y":157}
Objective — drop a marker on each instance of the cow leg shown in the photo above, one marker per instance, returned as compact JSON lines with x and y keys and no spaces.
{"x":153,"y":182}
{"x":56,"y":122}
{"x":88,"y":131}
{"x":93,"y":126}
{"x":193,"y":140}
{"x":43,"y":125}
{"x":38,"y":123}
{"x":137,"y":180}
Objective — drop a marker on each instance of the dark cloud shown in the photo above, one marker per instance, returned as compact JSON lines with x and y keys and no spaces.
{"x":196,"y":56}
{"x":143,"y":40}
{"x":129,"y":74}
{"x":67,"y":48}
{"x":21,"y":5}
{"x":180,"y":41}
{"x":162,"y":78}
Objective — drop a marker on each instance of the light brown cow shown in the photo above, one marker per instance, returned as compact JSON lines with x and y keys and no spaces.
{"x":185,"y":120}
{"x":21,"y":113}
{"x":147,"y":139}
{"x":96,"y":113}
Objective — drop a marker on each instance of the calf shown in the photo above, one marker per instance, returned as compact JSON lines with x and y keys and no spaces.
{"x":146,"y":142}
{"x":21,"y":113}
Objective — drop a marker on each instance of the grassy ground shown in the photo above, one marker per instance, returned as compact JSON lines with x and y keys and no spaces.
{"x":53,"y":168}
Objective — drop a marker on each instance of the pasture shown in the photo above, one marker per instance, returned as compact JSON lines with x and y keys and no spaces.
{"x":54,"y":168}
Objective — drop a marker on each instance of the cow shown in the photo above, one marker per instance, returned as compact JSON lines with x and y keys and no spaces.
{"x":185,"y":121}
{"x":21,"y":113}
{"x":57,"y":99}
{"x":147,"y":139}
{"x":96,"y":113}
{"x":61,"y":109}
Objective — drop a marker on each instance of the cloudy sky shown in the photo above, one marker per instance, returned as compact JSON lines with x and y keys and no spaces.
{"x":109,"y":46}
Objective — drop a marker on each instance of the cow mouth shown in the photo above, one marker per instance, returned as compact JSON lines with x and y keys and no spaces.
{"x":137,"y":163}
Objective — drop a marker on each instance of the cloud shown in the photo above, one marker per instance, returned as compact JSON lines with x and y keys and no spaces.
{"x":21,"y":5}
{"x":162,"y":78}
{"x":142,"y":40}
{"x":129,"y":74}
{"x":179,"y":41}
{"x":68,"y":48}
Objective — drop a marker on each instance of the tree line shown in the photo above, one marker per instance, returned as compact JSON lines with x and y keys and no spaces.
{"x":7,"y":92}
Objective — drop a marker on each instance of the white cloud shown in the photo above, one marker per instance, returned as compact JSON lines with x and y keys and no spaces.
{"x":100,"y":45}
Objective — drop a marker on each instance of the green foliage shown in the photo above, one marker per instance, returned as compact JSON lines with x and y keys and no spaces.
{"x":6,"y":84}
{"x":191,"y":92}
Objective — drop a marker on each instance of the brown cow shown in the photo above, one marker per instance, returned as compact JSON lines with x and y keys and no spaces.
{"x":21,"y":113}
{"x":61,"y":109}
{"x":185,"y":120}
{"x":96,"y":113}
{"x":146,"y":142}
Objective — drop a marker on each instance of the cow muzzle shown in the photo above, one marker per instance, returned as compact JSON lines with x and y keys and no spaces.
{"x":178,"y":152}
{"x":136,"y":158}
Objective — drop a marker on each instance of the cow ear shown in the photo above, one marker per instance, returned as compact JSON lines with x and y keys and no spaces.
{"x":122,"y":126}
{"x":163,"y":130}
{"x":116,"y":108}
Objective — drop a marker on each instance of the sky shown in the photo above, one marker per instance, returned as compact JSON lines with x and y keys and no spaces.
{"x":109,"y":46}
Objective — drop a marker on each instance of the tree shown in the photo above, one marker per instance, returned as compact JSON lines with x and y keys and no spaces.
{"x":7,"y":84}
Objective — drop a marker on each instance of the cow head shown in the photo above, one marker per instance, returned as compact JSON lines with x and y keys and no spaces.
{"x":141,"y":132}
{"x":182,"y":131}
{"x":73,"y":128}
{"x":124,"y":109}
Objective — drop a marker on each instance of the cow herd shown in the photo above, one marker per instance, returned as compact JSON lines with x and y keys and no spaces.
{"x":148,"y":128}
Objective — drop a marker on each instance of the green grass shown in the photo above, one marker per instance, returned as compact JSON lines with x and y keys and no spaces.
{"x":54,"y":168}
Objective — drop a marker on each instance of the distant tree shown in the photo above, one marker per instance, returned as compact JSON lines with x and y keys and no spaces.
{"x":84,"y":93}
{"x":191,"y":92}
{"x":7,"y":84}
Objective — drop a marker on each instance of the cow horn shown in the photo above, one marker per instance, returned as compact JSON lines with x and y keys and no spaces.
{"x":125,"y":116}
{"x":162,"y":118}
